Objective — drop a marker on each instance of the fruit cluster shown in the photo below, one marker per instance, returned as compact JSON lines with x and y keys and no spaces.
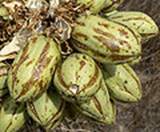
{"x":75,"y":51}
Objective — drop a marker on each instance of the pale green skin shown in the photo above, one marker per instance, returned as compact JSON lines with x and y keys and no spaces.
{"x":4,"y":12}
{"x":111,"y":5}
{"x":122,"y":82}
{"x":95,"y":6}
{"x":139,"y":21}
{"x":12,"y":116}
{"x":47,"y":110}
{"x":99,"y":107}
{"x":3,"y":79}
{"x":77,"y":70}
{"x":112,"y":43}
{"x":33,"y":68}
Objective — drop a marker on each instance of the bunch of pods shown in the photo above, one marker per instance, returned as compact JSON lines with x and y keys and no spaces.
{"x":74,"y":51}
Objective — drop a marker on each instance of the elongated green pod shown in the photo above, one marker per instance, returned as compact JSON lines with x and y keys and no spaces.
{"x":99,"y":107}
{"x":12,"y":116}
{"x":47,"y":110}
{"x":3,"y":79}
{"x":106,"y":41}
{"x":78,"y":78}
{"x":33,"y":68}
{"x":122,"y":82}
{"x":143,"y":23}
{"x":94,"y":6}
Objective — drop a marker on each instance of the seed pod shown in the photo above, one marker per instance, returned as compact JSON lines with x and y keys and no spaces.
{"x":47,"y":110}
{"x":94,"y":6}
{"x":12,"y":116}
{"x":78,"y":78}
{"x":106,"y":41}
{"x":3,"y":79}
{"x":143,"y":23}
{"x":33,"y":68}
{"x":99,"y":107}
{"x":111,"y":5}
{"x":122,"y":82}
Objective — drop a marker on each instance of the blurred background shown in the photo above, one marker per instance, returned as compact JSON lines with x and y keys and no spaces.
{"x":139,"y":117}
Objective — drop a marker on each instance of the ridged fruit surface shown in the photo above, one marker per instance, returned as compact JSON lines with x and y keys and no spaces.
{"x":33,"y":68}
{"x":122,"y":82}
{"x":47,"y":110}
{"x":99,"y":107}
{"x":78,"y":77}
{"x":106,"y":41}
{"x":12,"y":116}
{"x":143,"y":23}
{"x":3,"y":79}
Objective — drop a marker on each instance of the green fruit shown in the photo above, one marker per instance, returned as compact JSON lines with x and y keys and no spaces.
{"x":94,"y":5}
{"x":122,"y":82}
{"x":4,"y":12}
{"x":99,"y":107}
{"x":47,"y":110}
{"x":106,"y":41}
{"x":143,"y":23}
{"x":12,"y":116}
{"x":78,"y":78}
{"x":33,"y":68}
{"x":3,"y":79}
{"x":111,"y":5}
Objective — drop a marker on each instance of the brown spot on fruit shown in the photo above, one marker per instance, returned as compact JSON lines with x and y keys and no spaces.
{"x":110,"y":44}
{"x":97,"y":104}
{"x":133,"y":33}
{"x":82,"y":64}
{"x":81,"y":35}
{"x":80,"y":23}
{"x":41,"y":64}
{"x":29,"y":63}
{"x":34,"y":39}
{"x":22,"y":59}
{"x":94,"y":78}
{"x":33,"y":110}
{"x":104,"y":24}
{"x":125,"y":43}
{"x":59,"y":74}
{"x":106,"y":34}
{"x":137,"y":81}
{"x":123,"y":32}
{"x":121,"y":57}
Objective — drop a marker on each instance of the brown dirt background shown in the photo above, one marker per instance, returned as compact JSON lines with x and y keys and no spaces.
{"x":143,"y":116}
